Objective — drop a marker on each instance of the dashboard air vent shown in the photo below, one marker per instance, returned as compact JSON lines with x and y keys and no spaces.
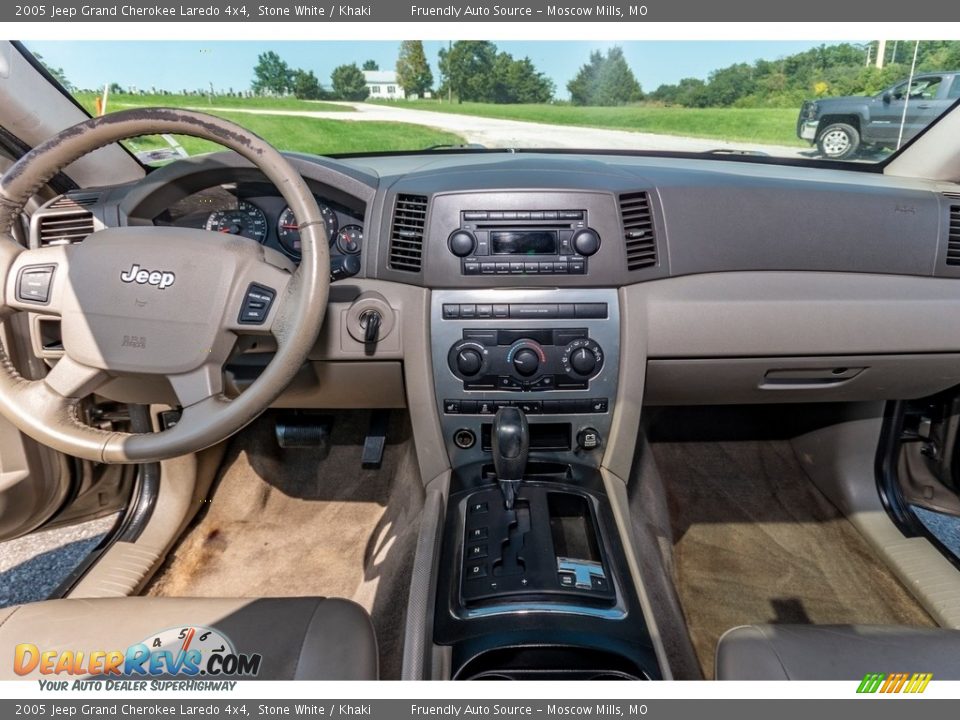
{"x":953,"y":237}
{"x":406,"y":235}
{"x":66,"y":220}
{"x":638,"y":233}
{"x":74,"y":201}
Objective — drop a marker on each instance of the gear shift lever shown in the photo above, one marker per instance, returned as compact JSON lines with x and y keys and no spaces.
{"x":511,"y":445}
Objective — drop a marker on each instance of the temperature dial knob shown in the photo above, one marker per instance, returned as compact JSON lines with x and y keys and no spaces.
{"x":582,"y":358}
{"x":526,"y":357}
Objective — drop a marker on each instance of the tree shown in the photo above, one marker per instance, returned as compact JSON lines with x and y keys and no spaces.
{"x":467,"y":69}
{"x":306,"y":86}
{"x":349,"y":83}
{"x":518,"y":81}
{"x":605,"y":80}
{"x":371,"y":65}
{"x":58,"y":74}
{"x":413,"y":70}
{"x":271,"y":75}
{"x":116,"y":88}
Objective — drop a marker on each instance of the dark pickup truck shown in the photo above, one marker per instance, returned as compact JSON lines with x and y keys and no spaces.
{"x":843,"y":127}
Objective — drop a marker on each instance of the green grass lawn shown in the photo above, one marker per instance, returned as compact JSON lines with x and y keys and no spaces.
{"x":119,"y":101}
{"x":775,"y":126}
{"x":320,"y":137}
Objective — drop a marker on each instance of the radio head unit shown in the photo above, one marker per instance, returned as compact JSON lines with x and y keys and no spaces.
{"x":523,"y":242}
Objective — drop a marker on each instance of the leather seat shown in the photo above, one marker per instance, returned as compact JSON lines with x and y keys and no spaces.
{"x":300,"y":638}
{"x":835,"y":652}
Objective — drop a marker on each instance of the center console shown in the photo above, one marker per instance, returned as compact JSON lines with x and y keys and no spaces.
{"x":533,"y":580}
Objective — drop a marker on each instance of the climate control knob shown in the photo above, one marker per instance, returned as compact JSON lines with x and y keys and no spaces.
{"x":462,"y":243}
{"x":583,"y":358}
{"x":469,"y":362}
{"x":526,"y":362}
{"x":586,"y":242}
{"x":583,"y":361}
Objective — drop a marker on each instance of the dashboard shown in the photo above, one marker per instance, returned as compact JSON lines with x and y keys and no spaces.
{"x":581,"y":288}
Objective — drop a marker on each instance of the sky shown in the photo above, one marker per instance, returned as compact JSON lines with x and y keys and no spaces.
{"x":229,"y":64}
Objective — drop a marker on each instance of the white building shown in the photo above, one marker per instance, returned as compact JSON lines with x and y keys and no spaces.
{"x":383,"y":85}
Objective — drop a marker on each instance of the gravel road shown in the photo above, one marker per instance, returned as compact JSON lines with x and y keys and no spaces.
{"x":494,"y":132}
{"x":32,"y":567}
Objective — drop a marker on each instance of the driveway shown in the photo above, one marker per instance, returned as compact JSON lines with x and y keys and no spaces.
{"x":495,"y":132}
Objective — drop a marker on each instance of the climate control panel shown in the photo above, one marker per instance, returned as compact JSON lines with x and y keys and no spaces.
{"x":553,"y":352}
{"x":528,"y":360}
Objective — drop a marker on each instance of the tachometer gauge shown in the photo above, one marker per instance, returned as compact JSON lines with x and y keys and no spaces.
{"x":288,"y":231}
{"x":245,"y":219}
{"x":349,"y":239}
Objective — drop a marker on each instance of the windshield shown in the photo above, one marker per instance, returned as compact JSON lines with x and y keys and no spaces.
{"x":806,"y":101}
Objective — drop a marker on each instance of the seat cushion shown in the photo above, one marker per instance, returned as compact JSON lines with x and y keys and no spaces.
{"x":303,"y":638}
{"x":835,"y":652}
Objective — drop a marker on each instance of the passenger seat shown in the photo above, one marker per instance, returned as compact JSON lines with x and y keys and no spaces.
{"x":835,"y":652}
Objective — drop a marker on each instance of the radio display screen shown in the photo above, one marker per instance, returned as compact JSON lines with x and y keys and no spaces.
{"x":523,"y":242}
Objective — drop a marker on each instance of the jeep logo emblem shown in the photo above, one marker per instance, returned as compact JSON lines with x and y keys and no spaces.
{"x":136,"y":274}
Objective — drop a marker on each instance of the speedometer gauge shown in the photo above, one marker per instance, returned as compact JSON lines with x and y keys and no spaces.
{"x":288,"y":230}
{"x":245,"y":219}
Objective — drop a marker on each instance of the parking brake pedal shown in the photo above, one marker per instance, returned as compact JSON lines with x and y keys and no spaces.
{"x":376,"y":441}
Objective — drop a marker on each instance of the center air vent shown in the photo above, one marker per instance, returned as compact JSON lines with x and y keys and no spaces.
{"x":406,"y":235}
{"x":953,"y":236}
{"x":638,"y":232}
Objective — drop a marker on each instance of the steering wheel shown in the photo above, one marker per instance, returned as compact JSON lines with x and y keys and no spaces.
{"x":156,"y":302}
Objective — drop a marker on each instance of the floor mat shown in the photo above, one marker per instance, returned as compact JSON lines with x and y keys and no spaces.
{"x":946,"y":528}
{"x":756,"y":542}
{"x":298,"y":522}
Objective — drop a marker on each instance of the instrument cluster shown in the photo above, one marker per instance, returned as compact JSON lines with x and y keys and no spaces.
{"x":254,"y":213}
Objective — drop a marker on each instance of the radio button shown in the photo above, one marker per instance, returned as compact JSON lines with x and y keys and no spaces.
{"x":560,"y":267}
{"x":536,"y":215}
{"x":474,"y":216}
{"x":516,"y":267}
{"x":468,"y":311}
{"x":488,"y":268}
{"x":527,"y":311}
{"x":523,"y":215}
{"x":531,"y":268}
{"x":509,"y":216}
{"x":577,"y":267}
{"x":501,"y":311}
{"x":550,"y":215}
{"x":571,"y":214}
{"x":471,"y":268}
{"x":546,"y":267}
{"x":484,"y":311}
{"x":494,"y":216}
{"x":503,"y":268}
{"x":451,"y":312}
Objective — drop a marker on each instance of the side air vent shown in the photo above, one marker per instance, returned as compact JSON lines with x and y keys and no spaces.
{"x":953,"y":237}
{"x":406,"y":235}
{"x":65,"y":228}
{"x":638,"y":233}
{"x":74,"y":201}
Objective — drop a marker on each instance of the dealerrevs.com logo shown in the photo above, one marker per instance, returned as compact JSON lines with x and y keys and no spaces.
{"x":191,"y":651}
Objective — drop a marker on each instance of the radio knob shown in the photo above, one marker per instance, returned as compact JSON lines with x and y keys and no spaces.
{"x":469,"y":362}
{"x":462,"y":243}
{"x":526,"y":362}
{"x":586,"y":242}
{"x":583,"y":361}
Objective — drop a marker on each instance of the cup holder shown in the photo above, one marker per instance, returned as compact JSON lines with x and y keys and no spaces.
{"x":563,"y":662}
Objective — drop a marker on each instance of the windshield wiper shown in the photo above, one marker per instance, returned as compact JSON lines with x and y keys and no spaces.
{"x":733,"y":151}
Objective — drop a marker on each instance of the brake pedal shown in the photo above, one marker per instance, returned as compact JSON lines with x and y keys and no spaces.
{"x":304,"y":431}
{"x":376,"y":440}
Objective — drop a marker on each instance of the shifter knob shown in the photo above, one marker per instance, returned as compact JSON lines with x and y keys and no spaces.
{"x":511,"y":445}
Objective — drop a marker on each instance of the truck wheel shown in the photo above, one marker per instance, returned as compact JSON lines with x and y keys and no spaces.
{"x":838,"y":141}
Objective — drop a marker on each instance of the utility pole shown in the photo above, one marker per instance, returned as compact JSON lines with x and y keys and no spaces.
{"x":449,"y":86}
{"x":881,"y":52}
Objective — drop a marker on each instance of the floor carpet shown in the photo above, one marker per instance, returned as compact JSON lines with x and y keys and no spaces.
{"x":303,"y":522}
{"x":756,"y":542}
